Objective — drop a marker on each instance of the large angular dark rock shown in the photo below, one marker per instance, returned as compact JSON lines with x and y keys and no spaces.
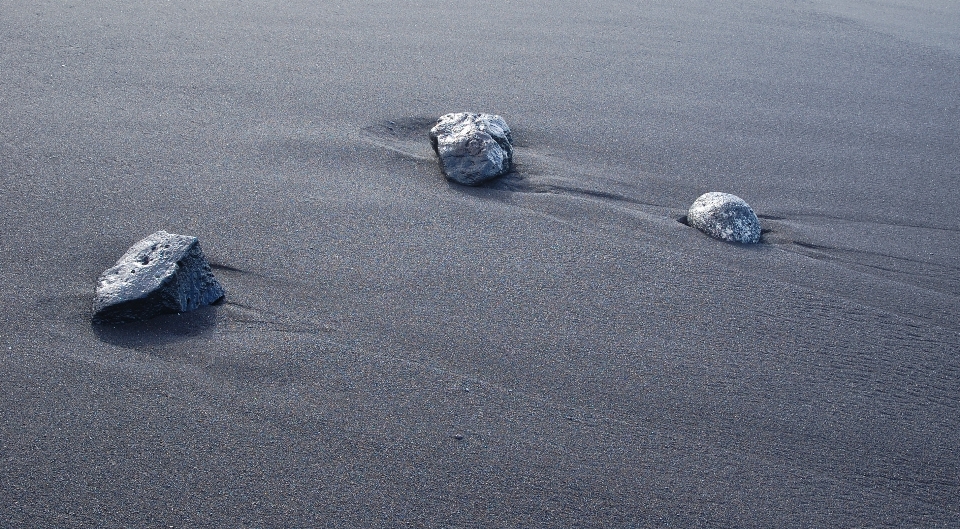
{"x":473,"y":148}
{"x":164,"y":273}
{"x":726,"y":217}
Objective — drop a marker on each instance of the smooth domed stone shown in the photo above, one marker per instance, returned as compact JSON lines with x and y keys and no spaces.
{"x":164,"y":273}
{"x":726,"y":217}
{"x":472,"y":148}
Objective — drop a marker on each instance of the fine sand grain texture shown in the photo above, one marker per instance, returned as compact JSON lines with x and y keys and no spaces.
{"x":551,"y":349}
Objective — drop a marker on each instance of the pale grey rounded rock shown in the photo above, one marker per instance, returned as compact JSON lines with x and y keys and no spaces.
{"x":726,"y":217}
{"x":472,"y":148}
{"x":164,"y":273}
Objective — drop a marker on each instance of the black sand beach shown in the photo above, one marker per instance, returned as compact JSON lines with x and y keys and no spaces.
{"x":552,"y":349}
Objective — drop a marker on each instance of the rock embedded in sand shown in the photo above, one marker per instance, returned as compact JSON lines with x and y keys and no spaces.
{"x":726,"y":217}
{"x":473,"y":148}
{"x":164,"y":273}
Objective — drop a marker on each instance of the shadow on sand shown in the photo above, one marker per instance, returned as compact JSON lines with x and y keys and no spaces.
{"x":160,"y":330}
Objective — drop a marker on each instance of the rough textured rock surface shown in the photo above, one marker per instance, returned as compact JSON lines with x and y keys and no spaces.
{"x":473,"y":148}
{"x":162,"y":274}
{"x":726,"y":217}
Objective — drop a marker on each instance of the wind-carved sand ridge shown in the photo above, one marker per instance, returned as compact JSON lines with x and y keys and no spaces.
{"x":540,"y":173}
{"x":531,"y":171}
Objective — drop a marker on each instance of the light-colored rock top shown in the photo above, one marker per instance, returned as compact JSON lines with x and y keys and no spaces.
{"x":162,"y":273}
{"x":472,"y":148}
{"x":726,"y":217}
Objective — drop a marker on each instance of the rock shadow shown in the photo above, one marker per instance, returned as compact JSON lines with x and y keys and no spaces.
{"x":160,"y":330}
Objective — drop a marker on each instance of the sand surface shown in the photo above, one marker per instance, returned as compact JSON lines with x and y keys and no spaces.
{"x":554,"y":349}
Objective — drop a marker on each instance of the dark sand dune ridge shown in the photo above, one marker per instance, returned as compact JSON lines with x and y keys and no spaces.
{"x":552,"y":349}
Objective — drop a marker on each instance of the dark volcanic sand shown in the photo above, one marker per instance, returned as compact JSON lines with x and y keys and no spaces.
{"x":552,"y":350}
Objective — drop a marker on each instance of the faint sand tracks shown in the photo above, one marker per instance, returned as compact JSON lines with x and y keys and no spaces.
{"x":539,"y":173}
{"x":408,"y":137}
{"x":819,"y":251}
{"x":804,"y":236}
